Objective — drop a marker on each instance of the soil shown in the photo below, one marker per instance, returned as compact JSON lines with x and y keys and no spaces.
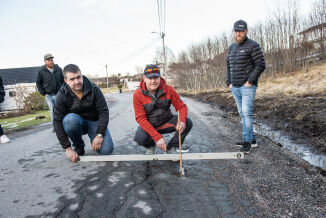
{"x":302,"y":117}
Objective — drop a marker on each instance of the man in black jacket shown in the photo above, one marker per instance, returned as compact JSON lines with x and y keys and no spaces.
{"x":3,"y":137}
{"x":80,"y":108}
{"x":245,"y":63}
{"x":49,"y":80}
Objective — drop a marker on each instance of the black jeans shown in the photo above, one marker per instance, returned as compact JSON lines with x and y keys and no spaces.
{"x":144,"y":139}
{"x":1,"y":131}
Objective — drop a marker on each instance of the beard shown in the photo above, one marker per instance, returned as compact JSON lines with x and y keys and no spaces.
{"x":50,"y":65}
{"x":239,"y":39}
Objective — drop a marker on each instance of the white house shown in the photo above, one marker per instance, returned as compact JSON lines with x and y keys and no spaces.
{"x":18,"y":84}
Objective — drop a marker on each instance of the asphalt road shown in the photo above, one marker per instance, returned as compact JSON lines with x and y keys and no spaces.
{"x":37,"y":179}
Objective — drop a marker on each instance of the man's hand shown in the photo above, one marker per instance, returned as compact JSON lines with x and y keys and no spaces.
{"x":247,"y":84}
{"x":181,"y":127}
{"x":97,"y":143}
{"x":161,"y":144}
{"x":73,"y":156}
{"x":230,"y":86}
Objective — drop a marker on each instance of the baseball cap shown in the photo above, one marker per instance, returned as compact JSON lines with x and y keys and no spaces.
{"x":240,"y":25}
{"x":48,"y":56}
{"x":152,"y":70}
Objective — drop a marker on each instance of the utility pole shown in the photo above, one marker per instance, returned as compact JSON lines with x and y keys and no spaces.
{"x":164,"y":55}
{"x":162,"y":35}
{"x":107,"y":76}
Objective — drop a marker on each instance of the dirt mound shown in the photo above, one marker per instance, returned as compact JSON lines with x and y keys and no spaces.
{"x":302,"y":117}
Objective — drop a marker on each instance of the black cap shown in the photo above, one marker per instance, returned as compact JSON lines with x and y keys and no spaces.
{"x":152,"y":70}
{"x":240,"y":25}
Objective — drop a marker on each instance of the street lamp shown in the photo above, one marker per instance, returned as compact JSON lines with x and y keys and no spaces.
{"x":162,"y":35}
{"x":107,"y":75}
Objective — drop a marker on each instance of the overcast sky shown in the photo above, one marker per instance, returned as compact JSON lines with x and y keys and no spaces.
{"x":92,"y":33}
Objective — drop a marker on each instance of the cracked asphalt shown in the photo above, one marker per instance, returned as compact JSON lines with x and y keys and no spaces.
{"x":37,"y":179}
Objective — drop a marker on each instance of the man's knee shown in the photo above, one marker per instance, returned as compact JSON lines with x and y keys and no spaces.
{"x":106,"y":149}
{"x":142,"y":137}
{"x":71,"y":121}
{"x":188,"y":124}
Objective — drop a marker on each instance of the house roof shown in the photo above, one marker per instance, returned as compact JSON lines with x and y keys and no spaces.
{"x":13,"y":76}
{"x":312,"y":28}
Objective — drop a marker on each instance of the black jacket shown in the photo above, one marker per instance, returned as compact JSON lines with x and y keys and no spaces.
{"x":2,"y":91}
{"x":92,"y":106}
{"x":47,"y":82}
{"x":245,"y":62}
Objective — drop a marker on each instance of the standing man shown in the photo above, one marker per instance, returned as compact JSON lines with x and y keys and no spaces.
{"x":3,"y":137}
{"x":152,"y":102}
{"x":80,"y":108}
{"x":49,"y":80}
{"x":245,"y":63}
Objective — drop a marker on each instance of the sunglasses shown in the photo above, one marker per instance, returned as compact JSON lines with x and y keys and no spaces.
{"x":155,"y":70}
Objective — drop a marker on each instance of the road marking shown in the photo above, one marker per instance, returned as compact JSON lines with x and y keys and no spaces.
{"x":188,"y":156}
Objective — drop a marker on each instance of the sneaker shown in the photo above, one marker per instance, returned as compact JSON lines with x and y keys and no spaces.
{"x":79,"y":150}
{"x":253,"y":144}
{"x":4,"y":139}
{"x":150,"y":150}
{"x":184,"y":149}
{"x":246,"y":147}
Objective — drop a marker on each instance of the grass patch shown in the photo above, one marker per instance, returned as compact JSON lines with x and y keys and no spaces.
{"x":113,"y":90}
{"x":25,"y":121}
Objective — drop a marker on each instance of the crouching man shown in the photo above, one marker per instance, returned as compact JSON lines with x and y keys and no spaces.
{"x":152,"y":102}
{"x":80,"y":108}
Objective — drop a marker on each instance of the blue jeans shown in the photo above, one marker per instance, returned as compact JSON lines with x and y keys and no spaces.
{"x":75,"y":126}
{"x":50,"y":100}
{"x":244,"y":98}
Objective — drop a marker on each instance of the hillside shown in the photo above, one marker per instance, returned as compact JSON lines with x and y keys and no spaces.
{"x":294,"y":103}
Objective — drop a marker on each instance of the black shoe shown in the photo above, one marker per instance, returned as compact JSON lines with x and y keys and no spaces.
{"x":246,"y":147}
{"x":253,"y":144}
{"x":79,"y":150}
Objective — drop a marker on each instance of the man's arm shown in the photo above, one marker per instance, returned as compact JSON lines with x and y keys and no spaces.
{"x":259,"y":61}
{"x":228,"y":76}
{"x":61,"y":76}
{"x":102,"y":110}
{"x":141,"y":118}
{"x":39,"y":83}
{"x":59,"y":112}
{"x":178,"y":104}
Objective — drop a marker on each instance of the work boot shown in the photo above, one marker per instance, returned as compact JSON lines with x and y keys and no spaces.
{"x":253,"y":144}
{"x":172,"y":150}
{"x":246,"y":147}
{"x":150,"y":150}
{"x":79,"y":150}
{"x":4,"y":139}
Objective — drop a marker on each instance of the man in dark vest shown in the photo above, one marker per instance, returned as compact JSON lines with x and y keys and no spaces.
{"x":245,"y":63}
{"x":152,"y":102}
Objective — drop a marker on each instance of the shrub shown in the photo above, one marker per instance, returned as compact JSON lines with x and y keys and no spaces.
{"x":35,"y":101}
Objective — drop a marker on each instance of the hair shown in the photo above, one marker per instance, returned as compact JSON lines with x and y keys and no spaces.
{"x":71,"y":68}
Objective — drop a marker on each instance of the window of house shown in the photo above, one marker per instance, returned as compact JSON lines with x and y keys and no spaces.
{"x":12,"y":94}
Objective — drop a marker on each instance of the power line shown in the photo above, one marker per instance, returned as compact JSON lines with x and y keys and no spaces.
{"x":133,"y":54}
{"x":159,"y":15}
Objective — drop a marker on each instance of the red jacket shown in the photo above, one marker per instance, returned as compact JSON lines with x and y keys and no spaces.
{"x":152,"y":112}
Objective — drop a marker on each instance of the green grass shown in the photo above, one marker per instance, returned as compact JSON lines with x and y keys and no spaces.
{"x":25,"y":121}
{"x":113,"y":89}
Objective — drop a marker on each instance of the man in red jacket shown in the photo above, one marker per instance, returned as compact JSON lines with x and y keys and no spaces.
{"x":152,"y":102}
